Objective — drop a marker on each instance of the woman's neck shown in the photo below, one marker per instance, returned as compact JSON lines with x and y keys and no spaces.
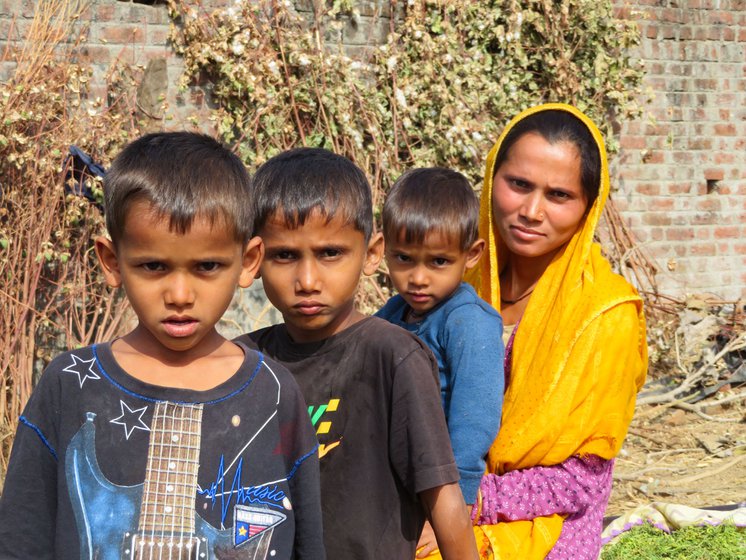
{"x":518,"y":280}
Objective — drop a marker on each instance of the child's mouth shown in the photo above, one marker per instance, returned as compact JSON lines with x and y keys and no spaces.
{"x":419,"y":298}
{"x":309,"y":308}
{"x":180,"y":327}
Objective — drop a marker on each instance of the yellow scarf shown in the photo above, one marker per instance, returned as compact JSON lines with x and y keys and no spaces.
{"x":579,"y":358}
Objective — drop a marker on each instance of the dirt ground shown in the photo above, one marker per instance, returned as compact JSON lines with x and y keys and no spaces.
{"x":675,"y":455}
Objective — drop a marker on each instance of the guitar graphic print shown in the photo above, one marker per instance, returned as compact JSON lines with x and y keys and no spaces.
{"x":156,"y":520}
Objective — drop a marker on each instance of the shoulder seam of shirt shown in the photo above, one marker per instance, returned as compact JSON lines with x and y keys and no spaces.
{"x":39,"y":433}
{"x":300,"y":461}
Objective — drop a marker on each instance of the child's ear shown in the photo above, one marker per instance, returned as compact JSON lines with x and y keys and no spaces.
{"x":106,"y":252}
{"x":374,"y":254}
{"x":252,"y":257}
{"x":474,"y":252}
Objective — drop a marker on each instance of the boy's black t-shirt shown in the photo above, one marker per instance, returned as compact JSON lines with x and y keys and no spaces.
{"x":103,"y":462}
{"x":373,"y":396}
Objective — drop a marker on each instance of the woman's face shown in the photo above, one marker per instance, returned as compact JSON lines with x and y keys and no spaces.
{"x":538,"y":201}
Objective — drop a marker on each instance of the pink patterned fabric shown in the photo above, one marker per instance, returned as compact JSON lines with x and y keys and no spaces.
{"x":578,"y":488}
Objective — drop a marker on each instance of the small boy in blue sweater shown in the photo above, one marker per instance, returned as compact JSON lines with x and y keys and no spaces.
{"x":430,"y":226}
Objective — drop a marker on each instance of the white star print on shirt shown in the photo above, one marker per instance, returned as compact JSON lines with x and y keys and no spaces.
{"x":131,"y":419}
{"x":79,"y":369}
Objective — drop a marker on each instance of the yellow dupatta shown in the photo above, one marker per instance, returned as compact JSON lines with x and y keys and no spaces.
{"x":579,"y":358}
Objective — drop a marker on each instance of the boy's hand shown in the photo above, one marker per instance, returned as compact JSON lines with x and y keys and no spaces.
{"x":450,"y":522}
{"x":427,"y":542}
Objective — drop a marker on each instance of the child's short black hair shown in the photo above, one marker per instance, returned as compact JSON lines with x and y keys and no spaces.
{"x":302,"y":180}
{"x":431,"y":199}
{"x":183,"y":175}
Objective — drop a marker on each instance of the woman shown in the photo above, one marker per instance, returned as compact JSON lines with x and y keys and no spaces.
{"x":577,"y":355}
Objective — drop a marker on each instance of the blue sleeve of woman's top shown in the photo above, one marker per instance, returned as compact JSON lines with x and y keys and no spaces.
{"x":474,"y":354}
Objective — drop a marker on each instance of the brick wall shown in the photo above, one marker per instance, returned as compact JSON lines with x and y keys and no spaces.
{"x":136,"y":33}
{"x":680,"y":179}
{"x":681,"y":176}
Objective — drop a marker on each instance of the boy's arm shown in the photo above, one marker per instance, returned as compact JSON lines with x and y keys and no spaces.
{"x":28,"y":506}
{"x":474,"y":356}
{"x":304,"y":486}
{"x":450,"y":522}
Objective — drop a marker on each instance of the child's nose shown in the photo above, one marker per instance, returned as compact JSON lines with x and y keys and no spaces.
{"x":179,"y":291}
{"x":307,"y":278}
{"x":418,"y":276}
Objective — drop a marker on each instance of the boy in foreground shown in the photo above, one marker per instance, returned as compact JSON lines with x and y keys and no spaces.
{"x":170,"y":442}
{"x":431,"y":230}
{"x":371,"y":387}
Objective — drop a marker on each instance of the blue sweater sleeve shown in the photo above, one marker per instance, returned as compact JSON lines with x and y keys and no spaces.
{"x":474,"y":354}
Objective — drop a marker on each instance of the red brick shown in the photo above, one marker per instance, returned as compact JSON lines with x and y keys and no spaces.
{"x":699,"y":143}
{"x":729,"y":34}
{"x":123,"y":34}
{"x":655,"y":68}
{"x":714,"y":33}
{"x":721,"y":158}
{"x":105,"y":12}
{"x":703,"y":233}
{"x":656,"y":219}
{"x":655,"y":156}
{"x":648,"y":189}
{"x":725,"y":129}
{"x":727,"y":232}
{"x":679,"y":188}
{"x":658,"y":204}
{"x":672,"y":14}
{"x":667,"y":31}
{"x":158,"y":35}
{"x":632,"y":142}
{"x":721,"y":17}
{"x":95,"y":54}
{"x":710,"y":204}
{"x":714,"y":174}
{"x":679,"y":234}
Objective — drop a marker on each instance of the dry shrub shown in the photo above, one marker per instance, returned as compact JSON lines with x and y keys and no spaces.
{"x":51,"y":295}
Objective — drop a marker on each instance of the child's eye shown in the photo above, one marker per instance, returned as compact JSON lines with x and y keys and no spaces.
{"x":208,"y":266}
{"x":440,"y":261}
{"x":402,"y":258}
{"x":282,"y":256}
{"x":153,"y":266}
{"x":331,"y":253}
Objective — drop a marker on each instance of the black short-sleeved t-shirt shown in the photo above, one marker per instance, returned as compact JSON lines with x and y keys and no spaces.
{"x":104,"y":464}
{"x":373,"y":397}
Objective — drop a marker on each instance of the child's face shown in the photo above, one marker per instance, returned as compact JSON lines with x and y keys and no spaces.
{"x":311,"y":273}
{"x":179,"y":285}
{"x":426,"y":274}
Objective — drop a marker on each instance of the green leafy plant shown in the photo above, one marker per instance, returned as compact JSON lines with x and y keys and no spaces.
{"x":723,"y":542}
{"x":438,"y":92}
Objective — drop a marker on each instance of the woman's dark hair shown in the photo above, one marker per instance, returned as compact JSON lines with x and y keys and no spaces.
{"x":431,"y":199}
{"x":557,"y":126}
